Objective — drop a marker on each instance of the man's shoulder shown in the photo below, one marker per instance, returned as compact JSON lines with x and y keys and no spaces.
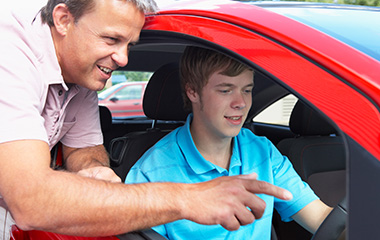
{"x":23,"y":9}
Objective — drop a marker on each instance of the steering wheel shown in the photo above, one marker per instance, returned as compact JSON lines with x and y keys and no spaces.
{"x":334,"y":224}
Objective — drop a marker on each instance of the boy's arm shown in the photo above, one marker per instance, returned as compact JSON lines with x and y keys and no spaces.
{"x":312,"y":215}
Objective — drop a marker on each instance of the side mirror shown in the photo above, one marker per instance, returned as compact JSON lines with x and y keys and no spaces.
{"x":114,"y":99}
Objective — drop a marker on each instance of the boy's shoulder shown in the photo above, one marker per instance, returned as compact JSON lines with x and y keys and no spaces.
{"x":246,"y":133}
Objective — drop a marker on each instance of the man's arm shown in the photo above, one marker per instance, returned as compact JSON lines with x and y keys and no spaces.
{"x":63,"y":202}
{"x":89,"y":162}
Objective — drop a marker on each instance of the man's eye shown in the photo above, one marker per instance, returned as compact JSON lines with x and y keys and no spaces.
{"x":111,"y":39}
{"x":131,"y":45}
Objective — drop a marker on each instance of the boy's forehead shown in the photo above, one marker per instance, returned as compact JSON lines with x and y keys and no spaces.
{"x":217,"y":78}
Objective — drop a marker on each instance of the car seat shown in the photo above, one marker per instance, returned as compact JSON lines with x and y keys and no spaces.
{"x":318,"y":155}
{"x":162,"y":102}
{"x":105,"y":125}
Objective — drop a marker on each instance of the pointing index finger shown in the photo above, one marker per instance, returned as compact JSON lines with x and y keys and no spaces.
{"x":261,"y":187}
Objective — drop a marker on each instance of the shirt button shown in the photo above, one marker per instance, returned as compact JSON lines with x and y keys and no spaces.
{"x":60,"y":92}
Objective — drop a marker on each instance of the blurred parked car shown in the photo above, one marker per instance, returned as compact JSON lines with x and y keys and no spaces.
{"x":326,"y":55}
{"x":124,"y":99}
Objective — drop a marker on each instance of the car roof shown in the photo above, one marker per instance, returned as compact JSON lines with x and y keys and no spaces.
{"x":265,"y":22}
{"x":357,"y":26}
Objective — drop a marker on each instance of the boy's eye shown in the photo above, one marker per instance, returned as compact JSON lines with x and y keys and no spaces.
{"x":224,"y":90}
{"x":248,"y":90}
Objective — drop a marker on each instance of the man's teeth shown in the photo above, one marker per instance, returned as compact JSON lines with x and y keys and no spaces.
{"x":234,"y":118}
{"x":105,"y":70}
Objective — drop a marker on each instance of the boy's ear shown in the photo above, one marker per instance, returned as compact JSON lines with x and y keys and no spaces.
{"x":191,"y":94}
{"x":62,"y":18}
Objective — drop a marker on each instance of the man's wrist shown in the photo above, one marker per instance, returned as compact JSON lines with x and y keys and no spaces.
{"x":96,"y":163}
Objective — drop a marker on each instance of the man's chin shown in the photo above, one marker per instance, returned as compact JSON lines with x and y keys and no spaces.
{"x":98,"y":86}
{"x":100,"y":89}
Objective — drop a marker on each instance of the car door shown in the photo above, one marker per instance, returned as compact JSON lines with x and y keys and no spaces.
{"x":127,"y":101}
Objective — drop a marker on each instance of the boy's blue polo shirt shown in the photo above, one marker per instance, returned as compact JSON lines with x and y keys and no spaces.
{"x":176,"y":159}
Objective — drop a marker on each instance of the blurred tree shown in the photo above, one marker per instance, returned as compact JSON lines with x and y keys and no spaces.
{"x":134,"y":76}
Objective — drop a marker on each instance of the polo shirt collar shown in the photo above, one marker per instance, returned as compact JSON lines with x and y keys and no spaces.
{"x":195,"y":160}
{"x":47,"y":55}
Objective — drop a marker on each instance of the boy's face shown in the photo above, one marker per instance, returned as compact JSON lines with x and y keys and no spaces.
{"x":98,"y":42}
{"x":223,"y":104}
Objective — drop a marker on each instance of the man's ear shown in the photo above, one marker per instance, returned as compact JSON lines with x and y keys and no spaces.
{"x":62,"y":18}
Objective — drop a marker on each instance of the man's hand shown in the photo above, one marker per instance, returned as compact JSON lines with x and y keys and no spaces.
{"x":102,"y":173}
{"x":225,"y":200}
{"x":89,"y":162}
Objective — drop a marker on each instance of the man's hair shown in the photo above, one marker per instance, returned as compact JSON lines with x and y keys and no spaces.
{"x":79,"y":7}
{"x":198,"y":64}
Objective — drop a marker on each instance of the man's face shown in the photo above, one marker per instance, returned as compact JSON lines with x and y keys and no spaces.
{"x":98,"y":43}
{"x":223,"y":105}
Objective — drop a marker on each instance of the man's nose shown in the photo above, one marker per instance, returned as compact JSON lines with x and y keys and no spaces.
{"x":120,"y":57}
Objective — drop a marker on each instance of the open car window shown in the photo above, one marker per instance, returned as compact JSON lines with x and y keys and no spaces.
{"x":123,"y":94}
{"x":279,"y":112}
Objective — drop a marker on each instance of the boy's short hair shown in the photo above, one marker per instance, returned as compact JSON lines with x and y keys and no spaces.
{"x":198,"y":64}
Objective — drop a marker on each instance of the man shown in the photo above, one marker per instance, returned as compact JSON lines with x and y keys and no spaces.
{"x":213,"y":143}
{"x":52,"y":62}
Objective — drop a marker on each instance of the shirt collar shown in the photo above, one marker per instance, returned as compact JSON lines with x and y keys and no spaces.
{"x":47,"y":56}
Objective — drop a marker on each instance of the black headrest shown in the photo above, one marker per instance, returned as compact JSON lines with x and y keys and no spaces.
{"x":306,"y":121}
{"x":105,"y":118}
{"x":163,"y":97}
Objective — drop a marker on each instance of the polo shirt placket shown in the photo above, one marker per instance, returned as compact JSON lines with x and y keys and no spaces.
{"x":59,"y":97}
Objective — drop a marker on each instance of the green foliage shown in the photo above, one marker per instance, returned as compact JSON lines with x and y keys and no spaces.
{"x":134,"y":76}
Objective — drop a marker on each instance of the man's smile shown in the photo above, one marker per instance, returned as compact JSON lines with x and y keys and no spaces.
{"x":105,"y":70}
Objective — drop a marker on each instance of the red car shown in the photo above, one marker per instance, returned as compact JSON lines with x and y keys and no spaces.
{"x":327,"y":56}
{"x":124,"y":99}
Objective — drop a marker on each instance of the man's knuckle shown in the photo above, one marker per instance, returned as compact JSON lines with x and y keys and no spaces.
{"x":263,"y":186}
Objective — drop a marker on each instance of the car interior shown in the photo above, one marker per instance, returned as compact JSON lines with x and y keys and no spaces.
{"x":311,"y":141}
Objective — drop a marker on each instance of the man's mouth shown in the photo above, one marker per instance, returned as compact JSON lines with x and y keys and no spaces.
{"x":105,"y":70}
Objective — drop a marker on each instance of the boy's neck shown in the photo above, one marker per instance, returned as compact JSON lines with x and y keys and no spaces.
{"x":217,"y":151}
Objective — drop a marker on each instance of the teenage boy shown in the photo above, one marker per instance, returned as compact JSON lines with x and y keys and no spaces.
{"x":213,"y":143}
